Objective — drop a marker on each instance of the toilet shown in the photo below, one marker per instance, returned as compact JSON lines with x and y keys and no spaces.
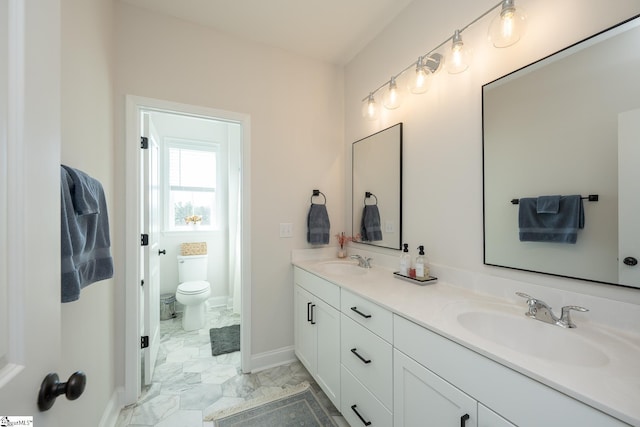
{"x":193,"y":290}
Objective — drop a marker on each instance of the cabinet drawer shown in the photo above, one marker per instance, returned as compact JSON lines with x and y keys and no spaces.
{"x":326,"y":291}
{"x":369,"y":358}
{"x":359,"y":406}
{"x":370,"y":315}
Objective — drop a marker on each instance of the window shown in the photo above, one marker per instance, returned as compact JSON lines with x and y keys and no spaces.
{"x":190,"y":185}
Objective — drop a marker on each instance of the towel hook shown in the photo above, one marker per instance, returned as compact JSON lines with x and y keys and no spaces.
{"x":317,"y":193}
{"x":367,"y":195}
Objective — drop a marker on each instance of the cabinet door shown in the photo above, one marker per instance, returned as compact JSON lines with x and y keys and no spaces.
{"x":423,"y":399}
{"x":488,"y":418}
{"x":304,"y":331}
{"x":327,"y":325}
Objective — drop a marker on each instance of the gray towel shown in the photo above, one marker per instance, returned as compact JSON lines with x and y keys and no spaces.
{"x":561,"y":227}
{"x":370,"y":230}
{"x":548,"y":204}
{"x":85,"y":243}
{"x":318,"y":225}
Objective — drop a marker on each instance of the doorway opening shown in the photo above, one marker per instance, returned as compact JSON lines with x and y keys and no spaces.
{"x":191,"y":165}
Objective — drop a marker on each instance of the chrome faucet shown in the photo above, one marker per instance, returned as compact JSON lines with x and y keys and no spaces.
{"x":362,"y":262}
{"x":540,"y":310}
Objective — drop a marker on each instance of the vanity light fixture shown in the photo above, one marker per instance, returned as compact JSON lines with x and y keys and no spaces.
{"x":510,"y":25}
{"x":392,"y":97}
{"x":426,"y":67}
{"x":460,"y":56}
{"x":370,"y":108}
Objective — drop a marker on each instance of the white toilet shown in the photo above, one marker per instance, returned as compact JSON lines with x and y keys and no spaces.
{"x":193,"y":290}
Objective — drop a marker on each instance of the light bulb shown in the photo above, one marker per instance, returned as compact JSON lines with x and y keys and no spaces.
{"x":370,"y":108}
{"x":460,"y":56}
{"x":508,"y":26}
{"x":421,"y":80}
{"x":392,"y":97}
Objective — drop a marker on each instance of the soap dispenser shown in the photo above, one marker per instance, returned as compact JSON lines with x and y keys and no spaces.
{"x":405,"y":260}
{"x":422,"y":271}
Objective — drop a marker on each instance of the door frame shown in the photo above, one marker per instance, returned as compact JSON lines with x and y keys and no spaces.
{"x":132,"y":378}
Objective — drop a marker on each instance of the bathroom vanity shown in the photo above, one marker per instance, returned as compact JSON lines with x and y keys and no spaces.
{"x":391,"y":353}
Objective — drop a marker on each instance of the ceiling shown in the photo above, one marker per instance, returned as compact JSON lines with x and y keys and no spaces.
{"x":328,"y":30}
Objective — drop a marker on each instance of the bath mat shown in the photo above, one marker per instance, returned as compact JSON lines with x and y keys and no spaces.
{"x":294,"y":406}
{"x":225,"y":339}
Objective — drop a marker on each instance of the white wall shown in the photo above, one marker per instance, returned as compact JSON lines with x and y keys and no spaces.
{"x":295,"y":105}
{"x":443,"y":129}
{"x":88,"y":340}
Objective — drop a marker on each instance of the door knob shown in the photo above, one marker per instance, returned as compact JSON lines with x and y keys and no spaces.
{"x":162,"y":252}
{"x":52,"y":387}
{"x":630,"y":261}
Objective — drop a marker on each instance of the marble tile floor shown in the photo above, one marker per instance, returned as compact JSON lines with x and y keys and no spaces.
{"x":189,"y":383}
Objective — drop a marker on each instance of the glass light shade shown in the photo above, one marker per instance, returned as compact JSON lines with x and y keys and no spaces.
{"x":392,"y":97}
{"x":370,"y":108}
{"x":460,"y":57}
{"x":420,"y":80}
{"x":508,"y":27}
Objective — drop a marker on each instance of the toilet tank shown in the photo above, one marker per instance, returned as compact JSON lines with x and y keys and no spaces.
{"x":192,"y":268}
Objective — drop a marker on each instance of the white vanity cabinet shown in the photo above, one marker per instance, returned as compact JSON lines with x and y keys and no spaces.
{"x":317,"y":330}
{"x":436,"y":378}
{"x":367,"y":361}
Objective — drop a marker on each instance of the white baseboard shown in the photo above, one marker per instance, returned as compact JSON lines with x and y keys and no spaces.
{"x":218,"y":301}
{"x":271,"y":359}
{"x":112,"y":411}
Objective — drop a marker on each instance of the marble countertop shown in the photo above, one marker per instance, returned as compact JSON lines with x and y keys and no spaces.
{"x":609,"y":383}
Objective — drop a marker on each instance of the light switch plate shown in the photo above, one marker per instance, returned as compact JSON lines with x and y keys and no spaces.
{"x":286,"y":229}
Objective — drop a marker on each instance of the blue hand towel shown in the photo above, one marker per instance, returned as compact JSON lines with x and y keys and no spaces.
{"x":370,"y":230}
{"x":561,"y":227}
{"x":318,"y":225}
{"x":85,"y":243}
{"x":548,"y":204}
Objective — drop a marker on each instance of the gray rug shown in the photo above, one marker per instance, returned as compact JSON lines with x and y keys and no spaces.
{"x":296,"y":406}
{"x":225,"y":339}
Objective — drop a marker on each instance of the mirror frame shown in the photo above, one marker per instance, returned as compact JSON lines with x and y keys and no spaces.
{"x":616,"y":30}
{"x":355,"y":224}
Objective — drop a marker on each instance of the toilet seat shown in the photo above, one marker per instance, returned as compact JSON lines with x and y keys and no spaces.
{"x":193,"y":288}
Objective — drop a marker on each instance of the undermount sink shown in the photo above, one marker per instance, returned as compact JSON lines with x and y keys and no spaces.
{"x":531,"y":337}
{"x":341,"y":268}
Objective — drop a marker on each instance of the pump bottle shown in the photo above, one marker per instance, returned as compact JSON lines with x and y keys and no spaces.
{"x":405,"y":260}
{"x":421,"y":268}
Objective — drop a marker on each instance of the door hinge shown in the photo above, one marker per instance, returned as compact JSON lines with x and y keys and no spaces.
{"x":144,"y":341}
{"x":144,"y":240}
{"x":144,"y":142}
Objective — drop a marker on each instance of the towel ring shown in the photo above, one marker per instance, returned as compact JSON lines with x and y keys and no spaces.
{"x":317,"y":193}
{"x":367,"y":195}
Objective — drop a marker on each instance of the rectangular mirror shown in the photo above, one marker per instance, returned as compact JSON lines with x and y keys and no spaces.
{"x":377,"y":188}
{"x":568,"y":124}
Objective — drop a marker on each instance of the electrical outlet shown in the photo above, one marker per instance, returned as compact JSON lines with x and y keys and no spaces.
{"x":286,"y":229}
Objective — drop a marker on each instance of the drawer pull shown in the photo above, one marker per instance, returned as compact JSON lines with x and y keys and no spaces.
{"x":367,"y":423}
{"x":313,"y":322}
{"x":366,"y":316}
{"x":463,"y":419}
{"x":308,"y":312}
{"x":354,"y":351}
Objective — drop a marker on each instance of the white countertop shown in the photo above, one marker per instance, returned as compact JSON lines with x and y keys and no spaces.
{"x":612,"y":386}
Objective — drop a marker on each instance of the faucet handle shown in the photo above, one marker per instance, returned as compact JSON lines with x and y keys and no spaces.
{"x":523,"y":295}
{"x":531,"y":303}
{"x":565,"y":318}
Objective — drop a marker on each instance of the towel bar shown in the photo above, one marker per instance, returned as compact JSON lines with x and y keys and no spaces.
{"x":590,"y":197}
{"x":317,"y":193}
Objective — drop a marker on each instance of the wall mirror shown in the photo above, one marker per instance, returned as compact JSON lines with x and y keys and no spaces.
{"x":568,"y":124}
{"x":377,"y":188}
